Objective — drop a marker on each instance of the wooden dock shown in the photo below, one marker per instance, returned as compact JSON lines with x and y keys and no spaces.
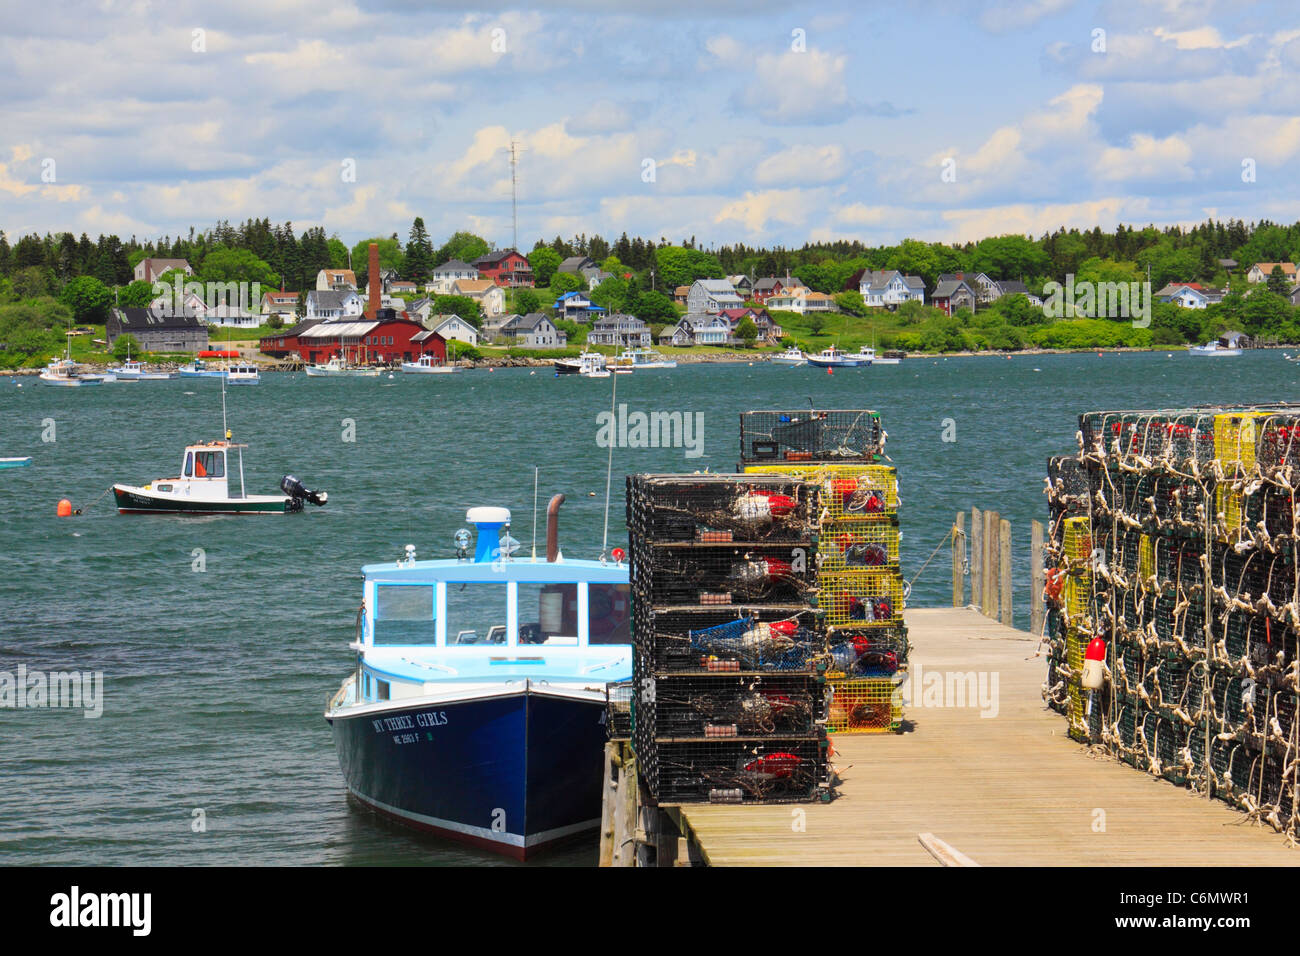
{"x":957,"y":788}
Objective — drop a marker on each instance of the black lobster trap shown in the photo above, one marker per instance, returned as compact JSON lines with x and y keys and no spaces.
{"x":723,"y":705}
{"x":811,"y":435}
{"x":721,"y":509}
{"x":780,"y":770}
{"x":730,"y":639}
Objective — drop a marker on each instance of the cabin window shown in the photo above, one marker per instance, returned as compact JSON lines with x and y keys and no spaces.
{"x":404,"y":614}
{"x":381,"y":689}
{"x":477,"y":612}
{"x":548,"y":614}
{"x":210,"y":464}
{"x":609,"y":614}
{"x":189,"y":464}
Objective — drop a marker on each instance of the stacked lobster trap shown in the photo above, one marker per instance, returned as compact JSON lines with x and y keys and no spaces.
{"x":858,"y":577}
{"x":1173,"y":562}
{"x":730,"y":654}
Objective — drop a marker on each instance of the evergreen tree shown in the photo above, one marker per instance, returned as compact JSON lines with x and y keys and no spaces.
{"x":419,"y":254}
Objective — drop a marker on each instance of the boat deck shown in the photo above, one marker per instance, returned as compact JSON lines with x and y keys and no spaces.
{"x":1002,"y":791}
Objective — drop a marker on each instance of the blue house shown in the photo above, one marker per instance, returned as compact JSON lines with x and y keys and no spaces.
{"x":576,"y":307}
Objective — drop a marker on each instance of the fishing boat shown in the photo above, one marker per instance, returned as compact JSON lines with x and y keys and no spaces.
{"x":203,"y":487}
{"x":242,"y":373}
{"x":1213,"y":350}
{"x":588,"y":364}
{"x":869,"y":353}
{"x":63,"y":372}
{"x":834,"y":358}
{"x":476,"y":707}
{"x":426,"y":364}
{"x":200,"y":369}
{"x":338,"y":368}
{"x":640,"y":358}
{"x":791,"y":356}
{"x":15,"y":462}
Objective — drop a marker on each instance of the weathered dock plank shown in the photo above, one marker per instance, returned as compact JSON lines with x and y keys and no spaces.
{"x":1006,"y":789}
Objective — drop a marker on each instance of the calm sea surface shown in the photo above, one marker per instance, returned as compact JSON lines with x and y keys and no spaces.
{"x":215,"y":681}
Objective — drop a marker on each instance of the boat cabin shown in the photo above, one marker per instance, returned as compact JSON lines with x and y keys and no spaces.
{"x":491,"y":619}
{"x":205,"y":472}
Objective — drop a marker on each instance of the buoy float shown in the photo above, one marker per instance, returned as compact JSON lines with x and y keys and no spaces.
{"x":65,"y":508}
{"x":830,"y":371}
{"x":1094,"y":664}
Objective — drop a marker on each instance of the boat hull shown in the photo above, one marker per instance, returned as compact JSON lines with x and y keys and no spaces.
{"x":835,"y":363}
{"x":139,"y":501}
{"x":513,"y":773}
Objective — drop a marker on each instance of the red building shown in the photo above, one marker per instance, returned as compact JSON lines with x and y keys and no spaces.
{"x":386,"y":339}
{"x":506,"y":268}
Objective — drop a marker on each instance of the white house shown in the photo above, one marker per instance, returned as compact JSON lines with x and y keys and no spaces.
{"x":454,"y":327}
{"x":712,"y":295}
{"x":619,"y":329}
{"x":698,"y":329}
{"x":336,"y":280}
{"x":890,"y":288}
{"x":1260,"y":271}
{"x":442,"y":277}
{"x":485,"y":292}
{"x":1189,"y":295}
{"x":801,"y":300}
{"x":283,"y":304}
{"x":534,"y":331}
{"x":328,"y":304}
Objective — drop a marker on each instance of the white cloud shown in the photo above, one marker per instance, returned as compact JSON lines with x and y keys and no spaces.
{"x":810,"y":164}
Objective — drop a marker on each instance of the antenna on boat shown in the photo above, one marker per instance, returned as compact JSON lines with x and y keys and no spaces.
{"x":609,"y":466}
{"x":535,"y":469}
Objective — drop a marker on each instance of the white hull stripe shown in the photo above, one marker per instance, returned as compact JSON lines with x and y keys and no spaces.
{"x":511,"y":839}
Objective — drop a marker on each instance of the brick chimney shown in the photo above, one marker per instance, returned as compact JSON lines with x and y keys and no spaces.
{"x":376,"y":282}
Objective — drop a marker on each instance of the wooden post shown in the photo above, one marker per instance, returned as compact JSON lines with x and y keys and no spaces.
{"x":1037,"y":609}
{"x":958,"y":553}
{"x":977,"y":558}
{"x":1004,"y":572}
{"x":990,"y":605}
{"x":625,"y":813}
{"x":609,"y":794}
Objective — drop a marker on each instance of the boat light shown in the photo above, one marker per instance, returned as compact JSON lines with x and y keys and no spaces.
{"x":462,"y":543}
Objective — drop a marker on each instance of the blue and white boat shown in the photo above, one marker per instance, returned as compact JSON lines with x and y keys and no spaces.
{"x":477,"y":706}
{"x":834,"y":358}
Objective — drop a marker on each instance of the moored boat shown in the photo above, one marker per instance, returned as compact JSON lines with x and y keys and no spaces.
{"x":15,"y":462}
{"x":63,"y":373}
{"x":476,"y":706}
{"x":791,"y":356}
{"x":587,"y":364}
{"x":869,"y":353}
{"x":203,"y":487}
{"x":338,"y":368}
{"x":834,"y":358}
{"x":640,"y":358}
{"x":1213,"y":350}
{"x":425,"y":365}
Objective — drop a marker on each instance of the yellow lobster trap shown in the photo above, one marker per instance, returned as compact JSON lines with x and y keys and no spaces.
{"x":848,"y":492}
{"x":864,"y":705}
{"x":1076,"y":596}
{"x":858,"y":545}
{"x":1236,"y":437}
{"x":1076,"y":643}
{"x":871,"y":597}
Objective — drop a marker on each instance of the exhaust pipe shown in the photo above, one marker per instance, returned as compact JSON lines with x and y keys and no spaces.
{"x":553,"y":528}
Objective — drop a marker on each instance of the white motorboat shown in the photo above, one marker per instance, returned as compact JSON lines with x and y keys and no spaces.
{"x":338,"y":368}
{"x":587,"y":364}
{"x":869,"y":353}
{"x":426,"y":365}
{"x":791,"y":356}
{"x":243,"y":374}
{"x":639,"y":358}
{"x":1213,"y":350}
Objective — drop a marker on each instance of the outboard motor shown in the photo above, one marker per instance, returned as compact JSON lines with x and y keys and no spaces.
{"x":294,"y":488}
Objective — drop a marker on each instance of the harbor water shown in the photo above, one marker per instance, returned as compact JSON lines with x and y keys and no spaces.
{"x":220,"y":638}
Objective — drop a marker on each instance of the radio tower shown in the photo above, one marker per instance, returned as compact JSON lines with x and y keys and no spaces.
{"x":514,"y":194}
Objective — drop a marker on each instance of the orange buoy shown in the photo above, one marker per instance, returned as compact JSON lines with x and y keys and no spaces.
{"x":65,"y":508}
{"x":830,"y":371}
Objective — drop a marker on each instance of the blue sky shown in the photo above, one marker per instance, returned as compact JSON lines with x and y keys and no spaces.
{"x":767,"y":123}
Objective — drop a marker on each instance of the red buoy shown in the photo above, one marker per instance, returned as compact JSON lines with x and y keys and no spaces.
{"x":1094,"y":664}
{"x":65,"y":508}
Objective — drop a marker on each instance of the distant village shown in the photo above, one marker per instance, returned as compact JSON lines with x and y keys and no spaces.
{"x":400,"y":324}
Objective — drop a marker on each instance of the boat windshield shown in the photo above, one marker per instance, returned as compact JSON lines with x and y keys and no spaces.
{"x":404,"y":614}
{"x":476,"y":613}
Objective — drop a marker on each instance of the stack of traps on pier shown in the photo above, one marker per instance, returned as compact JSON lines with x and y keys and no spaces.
{"x":1175,"y":540}
{"x":729,"y":692}
{"x":859,"y":586}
